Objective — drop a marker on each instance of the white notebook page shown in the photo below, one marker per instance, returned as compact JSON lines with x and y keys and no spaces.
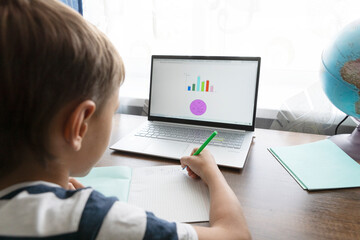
{"x":170,"y":194}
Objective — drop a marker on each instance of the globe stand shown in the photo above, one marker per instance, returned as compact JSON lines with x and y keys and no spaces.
{"x":349,"y":143}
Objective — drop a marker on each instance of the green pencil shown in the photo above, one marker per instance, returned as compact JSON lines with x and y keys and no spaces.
{"x":204,"y":144}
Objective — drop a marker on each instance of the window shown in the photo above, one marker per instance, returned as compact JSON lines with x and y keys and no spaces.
{"x":289,"y":36}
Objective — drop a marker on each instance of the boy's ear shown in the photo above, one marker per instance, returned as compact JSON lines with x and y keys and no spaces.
{"x":76,"y":124}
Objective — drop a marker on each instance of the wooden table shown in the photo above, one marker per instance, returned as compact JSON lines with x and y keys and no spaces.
{"x":275,"y":206}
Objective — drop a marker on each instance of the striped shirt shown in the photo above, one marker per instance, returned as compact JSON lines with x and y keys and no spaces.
{"x":43,"y":210}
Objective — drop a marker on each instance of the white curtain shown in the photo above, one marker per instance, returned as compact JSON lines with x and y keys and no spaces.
{"x":288,"y":35}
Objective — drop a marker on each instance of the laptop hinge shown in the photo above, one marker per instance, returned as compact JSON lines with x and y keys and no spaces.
{"x":197,"y":126}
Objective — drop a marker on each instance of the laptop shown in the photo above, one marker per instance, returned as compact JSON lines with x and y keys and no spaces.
{"x":192,"y":96}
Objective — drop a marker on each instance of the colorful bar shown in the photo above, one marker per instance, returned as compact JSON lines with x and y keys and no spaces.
{"x":207,"y":85}
{"x":198,"y":84}
{"x":189,"y":88}
{"x":202,"y":86}
{"x":193,"y":87}
{"x":211,"y":88}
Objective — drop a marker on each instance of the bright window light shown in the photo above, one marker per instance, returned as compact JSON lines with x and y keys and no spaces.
{"x":289,"y":36}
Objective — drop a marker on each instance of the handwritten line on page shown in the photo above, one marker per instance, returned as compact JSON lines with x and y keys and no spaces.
{"x":170,"y":194}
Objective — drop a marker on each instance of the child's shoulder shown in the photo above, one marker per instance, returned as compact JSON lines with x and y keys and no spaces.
{"x":45,"y":209}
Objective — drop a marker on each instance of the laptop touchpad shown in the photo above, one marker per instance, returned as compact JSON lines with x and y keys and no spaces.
{"x":167,"y":149}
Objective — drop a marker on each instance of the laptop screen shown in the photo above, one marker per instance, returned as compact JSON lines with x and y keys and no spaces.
{"x":210,"y":91}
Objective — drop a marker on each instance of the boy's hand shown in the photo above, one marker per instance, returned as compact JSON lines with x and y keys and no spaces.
{"x":226,"y":218}
{"x":74,"y":184}
{"x":202,"y":165}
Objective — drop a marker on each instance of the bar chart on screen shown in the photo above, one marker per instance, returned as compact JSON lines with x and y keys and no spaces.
{"x":199,"y":84}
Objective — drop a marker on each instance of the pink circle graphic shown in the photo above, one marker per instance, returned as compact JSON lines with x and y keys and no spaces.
{"x":198,"y":107}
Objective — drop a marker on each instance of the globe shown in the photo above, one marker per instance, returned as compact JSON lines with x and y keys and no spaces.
{"x":340,"y":76}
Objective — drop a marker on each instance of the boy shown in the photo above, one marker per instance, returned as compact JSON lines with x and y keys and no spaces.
{"x":59,"y":84}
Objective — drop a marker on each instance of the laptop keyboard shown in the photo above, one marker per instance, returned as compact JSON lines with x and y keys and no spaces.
{"x":198,"y":136}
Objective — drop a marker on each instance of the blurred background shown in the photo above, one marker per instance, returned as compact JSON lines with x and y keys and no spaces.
{"x":289,"y":36}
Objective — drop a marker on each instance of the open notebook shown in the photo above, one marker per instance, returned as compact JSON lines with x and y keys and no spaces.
{"x":166,"y":191}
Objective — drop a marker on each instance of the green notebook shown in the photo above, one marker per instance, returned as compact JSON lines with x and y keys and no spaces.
{"x":319,"y":165}
{"x":110,"y":181}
